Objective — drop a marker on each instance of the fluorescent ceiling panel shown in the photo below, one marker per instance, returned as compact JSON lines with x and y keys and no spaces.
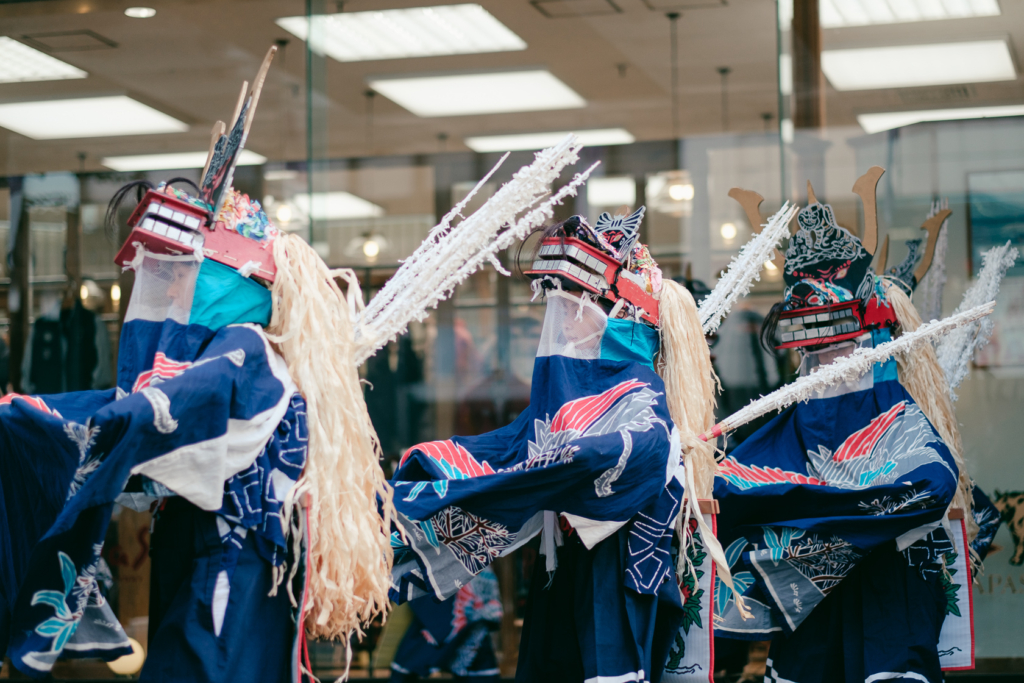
{"x":499,"y":92}
{"x":404,"y":33}
{"x":20,"y":63}
{"x":874,"y":123}
{"x":182,"y":160}
{"x":840,"y":13}
{"x":336,"y":205}
{"x":90,"y":117}
{"x":611,"y":191}
{"x":870,"y":68}
{"x":521,"y":141}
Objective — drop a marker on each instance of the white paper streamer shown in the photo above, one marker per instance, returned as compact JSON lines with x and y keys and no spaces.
{"x":956,"y":350}
{"x":744,"y":269}
{"x":845,"y":369}
{"x":449,"y":255}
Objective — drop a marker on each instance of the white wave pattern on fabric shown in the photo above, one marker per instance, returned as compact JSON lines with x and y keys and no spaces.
{"x":450,"y":254}
{"x":956,"y":350}
{"x":745,"y":269}
{"x":848,"y":368}
{"x":162,"y":419}
{"x":928,"y":293}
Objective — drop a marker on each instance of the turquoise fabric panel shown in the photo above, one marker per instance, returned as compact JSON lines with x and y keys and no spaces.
{"x":223,"y":297}
{"x":630,"y":341}
{"x":884,"y":371}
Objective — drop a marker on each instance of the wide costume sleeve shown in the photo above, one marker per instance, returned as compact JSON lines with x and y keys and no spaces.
{"x":197,"y":416}
{"x":808,"y":496}
{"x":595,"y":444}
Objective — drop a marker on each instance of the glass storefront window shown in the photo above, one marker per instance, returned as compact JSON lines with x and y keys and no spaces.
{"x":364,"y":180}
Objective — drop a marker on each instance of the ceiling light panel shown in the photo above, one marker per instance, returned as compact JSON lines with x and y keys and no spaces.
{"x":875,"y":123}
{"x":176,"y":160}
{"x":89,"y":117}
{"x":479,"y":93}
{"x":336,"y":205}
{"x":405,"y":33}
{"x":916,"y":65}
{"x":841,"y":13}
{"x":614,"y":191}
{"x":20,"y":63}
{"x":528,"y":141}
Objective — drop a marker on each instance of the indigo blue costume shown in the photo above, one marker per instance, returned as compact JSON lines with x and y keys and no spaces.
{"x":205,"y":417}
{"x":833,"y":515}
{"x":595,"y":445}
{"x":596,"y":454}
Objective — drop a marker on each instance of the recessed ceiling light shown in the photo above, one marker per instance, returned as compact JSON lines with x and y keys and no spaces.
{"x":614,"y":191}
{"x":89,"y":117}
{"x":519,"y":141}
{"x":404,"y":33}
{"x":336,"y":205}
{"x":903,"y":66}
{"x":140,"y":12}
{"x":479,"y":93}
{"x":20,"y":63}
{"x":182,"y":160}
{"x":839,"y":13}
{"x":874,"y":123}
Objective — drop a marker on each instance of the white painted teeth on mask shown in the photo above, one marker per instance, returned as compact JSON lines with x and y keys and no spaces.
{"x":190,"y":222}
{"x":188,"y":239}
{"x":819,"y":332}
{"x":572,"y":252}
{"x":818,"y":317}
{"x":592,"y":279}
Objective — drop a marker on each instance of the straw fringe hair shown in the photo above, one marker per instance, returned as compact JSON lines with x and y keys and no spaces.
{"x":690,"y":381}
{"x":349,"y":501}
{"x":690,"y":386}
{"x":922,"y":377}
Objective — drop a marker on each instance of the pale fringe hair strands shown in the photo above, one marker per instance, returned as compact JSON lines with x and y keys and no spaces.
{"x":922,"y":376}
{"x":342,"y":484}
{"x":690,"y":386}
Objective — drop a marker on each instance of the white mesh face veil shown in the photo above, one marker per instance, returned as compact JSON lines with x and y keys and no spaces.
{"x":812,"y":360}
{"x":164,"y":287}
{"x":573,"y":327}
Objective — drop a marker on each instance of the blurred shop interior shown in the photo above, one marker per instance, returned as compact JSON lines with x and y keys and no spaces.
{"x":379,"y":115}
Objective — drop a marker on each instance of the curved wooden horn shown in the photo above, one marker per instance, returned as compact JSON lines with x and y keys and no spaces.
{"x":811,"y":199}
{"x":932,"y":225}
{"x":865,"y":187}
{"x":257,"y":86}
{"x":750,"y":201}
{"x":883,"y":256}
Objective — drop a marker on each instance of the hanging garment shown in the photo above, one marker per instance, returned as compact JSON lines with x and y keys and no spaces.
{"x":453,"y":635}
{"x":840,"y":501}
{"x":195,"y":410}
{"x":64,"y":351}
{"x":595,"y":446}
